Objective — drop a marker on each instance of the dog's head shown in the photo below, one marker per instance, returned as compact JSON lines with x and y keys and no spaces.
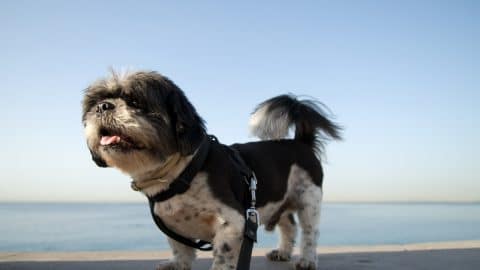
{"x":134,"y":122}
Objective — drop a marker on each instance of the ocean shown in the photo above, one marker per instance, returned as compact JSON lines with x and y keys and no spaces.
{"x":128,"y":226}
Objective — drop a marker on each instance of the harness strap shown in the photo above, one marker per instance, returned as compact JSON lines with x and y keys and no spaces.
{"x":198,"y":244}
{"x":182,"y":183}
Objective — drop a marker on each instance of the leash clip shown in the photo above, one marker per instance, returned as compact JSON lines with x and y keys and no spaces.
{"x":252,"y":213}
{"x":253,"y":188}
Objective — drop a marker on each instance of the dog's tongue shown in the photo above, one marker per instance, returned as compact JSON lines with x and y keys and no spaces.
{"x":106,"y":140}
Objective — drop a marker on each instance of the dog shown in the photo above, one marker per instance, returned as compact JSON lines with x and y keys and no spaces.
{"x":142,"y":124}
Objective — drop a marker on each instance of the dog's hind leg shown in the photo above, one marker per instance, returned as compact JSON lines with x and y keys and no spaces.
{"x":309,"y":219}
{"x":288,"y":232}
{"x":183,"y":257}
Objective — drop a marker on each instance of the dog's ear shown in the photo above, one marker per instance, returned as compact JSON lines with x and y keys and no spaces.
{"x":187,"y":125}
{"x":98,"y":160}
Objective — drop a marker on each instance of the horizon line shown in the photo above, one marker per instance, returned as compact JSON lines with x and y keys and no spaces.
{"x":326,"y":201}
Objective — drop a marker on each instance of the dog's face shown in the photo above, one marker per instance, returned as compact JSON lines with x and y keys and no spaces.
{"x":134,"y":123}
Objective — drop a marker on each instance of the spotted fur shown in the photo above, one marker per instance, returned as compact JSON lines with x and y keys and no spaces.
{"x":157,"y":124}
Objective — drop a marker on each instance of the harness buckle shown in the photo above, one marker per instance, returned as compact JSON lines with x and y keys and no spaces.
{"x":251,"y":224}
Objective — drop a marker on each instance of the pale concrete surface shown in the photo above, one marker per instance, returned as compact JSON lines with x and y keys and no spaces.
{"x":439,"y":256}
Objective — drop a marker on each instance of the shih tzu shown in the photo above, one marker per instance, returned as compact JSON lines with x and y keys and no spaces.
{"x":142,"y":124}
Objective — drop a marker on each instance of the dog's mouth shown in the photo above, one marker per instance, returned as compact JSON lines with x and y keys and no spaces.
{"x":111,"y":139}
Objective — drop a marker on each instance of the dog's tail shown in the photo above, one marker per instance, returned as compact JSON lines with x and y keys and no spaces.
{"x":273,"y":119}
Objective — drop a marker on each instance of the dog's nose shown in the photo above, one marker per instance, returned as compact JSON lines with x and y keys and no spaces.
{"x":105,"y":106}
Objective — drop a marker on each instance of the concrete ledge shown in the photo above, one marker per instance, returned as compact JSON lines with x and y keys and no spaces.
{"x":445,"y":255}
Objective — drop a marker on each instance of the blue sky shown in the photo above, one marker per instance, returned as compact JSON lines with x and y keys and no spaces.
{"x":401,"y":76}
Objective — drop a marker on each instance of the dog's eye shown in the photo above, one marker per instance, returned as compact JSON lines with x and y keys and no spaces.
{"x":132,"y":103}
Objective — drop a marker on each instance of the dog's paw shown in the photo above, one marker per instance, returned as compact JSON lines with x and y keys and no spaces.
{"x":278,"y":255}
{"x":172,"y":266}
{"x":304,"y":264}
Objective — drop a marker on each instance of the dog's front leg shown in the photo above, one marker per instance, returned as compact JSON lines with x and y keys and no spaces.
{"x":226,"y":246}
{"x":183,"y":257}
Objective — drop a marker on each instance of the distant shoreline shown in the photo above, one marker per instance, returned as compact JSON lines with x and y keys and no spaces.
{"x":328,"y":202}
{"x":165,"y":254}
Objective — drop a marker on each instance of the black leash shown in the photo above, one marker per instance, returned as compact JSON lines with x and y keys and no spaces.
{"x":250,"y":231}
{"x":182,"y":183}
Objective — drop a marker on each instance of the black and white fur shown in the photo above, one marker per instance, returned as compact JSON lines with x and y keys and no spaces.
{"x":147,"y":120}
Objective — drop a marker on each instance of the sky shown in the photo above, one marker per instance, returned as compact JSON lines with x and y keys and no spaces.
{"x":401,"y":77}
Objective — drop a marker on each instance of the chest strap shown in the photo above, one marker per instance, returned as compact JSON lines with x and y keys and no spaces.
{"x":179,"y":186}
{"x":197,"y":244}
{"x":182,"y":183}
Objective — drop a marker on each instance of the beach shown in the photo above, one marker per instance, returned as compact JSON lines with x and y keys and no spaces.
{"x":438,"y":255}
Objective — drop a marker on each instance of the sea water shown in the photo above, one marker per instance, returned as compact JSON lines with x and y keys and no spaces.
{"x":128,"y":226}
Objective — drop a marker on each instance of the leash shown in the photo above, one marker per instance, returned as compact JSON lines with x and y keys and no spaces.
{"x":252,"y":219}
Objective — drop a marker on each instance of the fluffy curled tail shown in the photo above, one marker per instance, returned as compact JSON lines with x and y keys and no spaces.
{"x":273,"y":118}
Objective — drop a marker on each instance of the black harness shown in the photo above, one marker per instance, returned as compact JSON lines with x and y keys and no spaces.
{"x":182,"y":183}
